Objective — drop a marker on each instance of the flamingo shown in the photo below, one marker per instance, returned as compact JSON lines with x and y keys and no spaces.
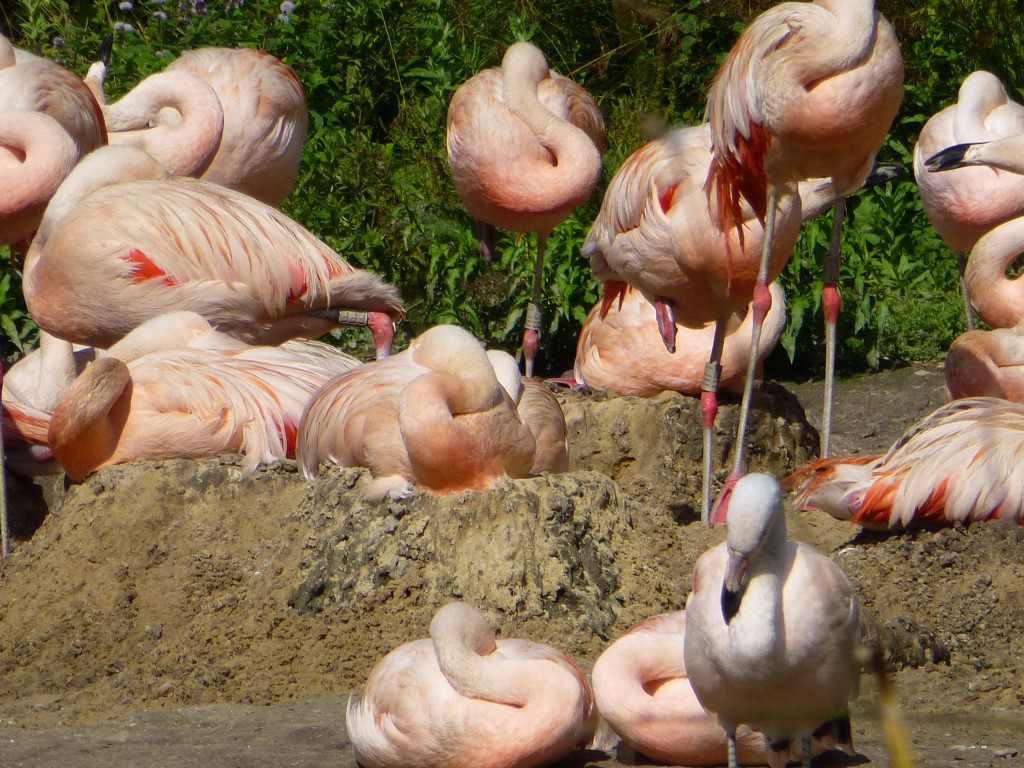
{"x":959,"y":464}
{"x":217,"y":395}
{"x":434,"y":416}
{"x":622,"y":351}
{"x":463,"y":699}
{"x":656,"y":232}
{"x":540,"y":409}
{"x":48,"y":122}
{"x":642,"y":691}
{"x":524,"y":148}
{"x":965,"y":204}
{"x":808,"y":91}
{"x":987,"y":364}
{"x":236,"y":117}
{"x":122,"y":242}
{"x":771,"y":630}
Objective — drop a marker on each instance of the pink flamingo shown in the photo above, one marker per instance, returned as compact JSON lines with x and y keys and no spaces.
{"x":48,"y":121}
{"x":236,"y":117}
{"x":621,"y":351}
{"x":175,"y":388}
{"x":539,"y":408}
{"x":463,"y":699}
{"x":808,"y":91}
{"x":987,"y":364}
{"x":524,"y":147}
{"x":966,"y":203}
{"x":960,"y":464}
{"x":435,"y":416}
{"x":122,"y":242}
{"x":771,"y":631}
{"x":656,"y":232}
{"x":642,"y":691}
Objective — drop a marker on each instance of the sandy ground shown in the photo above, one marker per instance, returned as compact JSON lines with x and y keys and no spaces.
{"x":177,"y":614}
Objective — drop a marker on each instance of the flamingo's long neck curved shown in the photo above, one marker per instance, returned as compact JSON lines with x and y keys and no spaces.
{"x":998,"y":299}
{"x":576,"y":159}
{"x":175,"y":116}
{"x":979,"y":95}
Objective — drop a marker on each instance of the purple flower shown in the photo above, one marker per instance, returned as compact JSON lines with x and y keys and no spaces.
{"x":284,"y":18}
{"x":287,"y":6}
{"x":58,"y":42}
{"x":122,"y":27}
{"x":159,"y":15}
{"x":328,"y":6}
{"x":126,"y":5}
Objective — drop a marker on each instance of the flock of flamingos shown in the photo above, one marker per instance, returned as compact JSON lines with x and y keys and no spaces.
{"x":176,"y":303}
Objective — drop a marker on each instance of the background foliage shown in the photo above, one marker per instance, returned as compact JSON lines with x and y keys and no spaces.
{"x":375,"y":183}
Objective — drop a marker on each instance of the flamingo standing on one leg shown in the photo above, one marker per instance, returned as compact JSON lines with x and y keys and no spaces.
{"x":808,"y":91}
{"x":48,"y":121}
{"x":122,"y":242}
{"x":959,"y":464}
{"x":236,"y":117}
{"x":965,"y":204}
{"x":524,"y":147}
{"x":463,"y":699}
{"x":771,"y":630}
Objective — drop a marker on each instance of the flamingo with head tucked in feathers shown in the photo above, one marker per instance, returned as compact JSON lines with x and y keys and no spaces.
{"x":236,"y":117}
{"x":808,"y":91}
{"x":464,"y":699}
{"x":122,"y":242}
{"x":524,"y":148}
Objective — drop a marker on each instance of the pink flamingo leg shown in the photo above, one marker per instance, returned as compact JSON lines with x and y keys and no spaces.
{"x":534,"y":314}
{"x":759,"y":307}
{"x":5,"y":530}
{"x":831,"y":302}
{"x":961,"y":266}
{"x":708,"y":412}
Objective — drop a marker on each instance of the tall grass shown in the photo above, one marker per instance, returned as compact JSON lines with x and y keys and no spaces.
{"x":375,"y":185}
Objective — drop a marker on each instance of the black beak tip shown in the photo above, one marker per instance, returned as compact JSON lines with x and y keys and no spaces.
{"x":105,"y":50}
{"x":883,"y":173}
{"x":948,"y":159}
{"x":730,"y":604}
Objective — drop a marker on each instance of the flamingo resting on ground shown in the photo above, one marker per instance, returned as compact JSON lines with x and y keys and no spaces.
{"x":808,"y":91}
{"x":434,"y":415}
{"x":642,"y":691}
{"x":236,"y":117}
{"x":771,"y":631}
{"x":122,"y":242}
{"x":463,"y":699}
{"x":524,"y":148}
{"x":966,"y":203}
{"x":175,"y":388}
{"x":987,"y":364}
{"x":621,"y":350}
{"x":959,"y":464}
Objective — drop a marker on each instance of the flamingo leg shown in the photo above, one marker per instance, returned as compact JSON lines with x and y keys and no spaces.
{"x":486,"y":236}
{"x":760,"y":306}
{"x":805,"y":749}
{"x":708,"y":412}
{"x":961,"y":265}
{"x":534,"y":314}
{"x":5,"y":530}
{"x":730,"y":745}
{"x":830,"y":304}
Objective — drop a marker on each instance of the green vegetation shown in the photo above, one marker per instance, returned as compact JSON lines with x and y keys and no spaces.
{"x":375,"y":182}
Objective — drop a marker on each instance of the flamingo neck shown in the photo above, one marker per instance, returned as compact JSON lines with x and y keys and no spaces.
{"x":980,"y":95}
{"x":998,"y":299}
{"x":755,"y":632}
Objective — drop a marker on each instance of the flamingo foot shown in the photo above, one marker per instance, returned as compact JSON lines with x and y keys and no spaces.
{"x":531,"y":343}
{"x":382,"y":329}
{"x":665,"y":311}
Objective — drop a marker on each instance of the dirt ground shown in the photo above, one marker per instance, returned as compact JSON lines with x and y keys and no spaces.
{"x":185,"y":613}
